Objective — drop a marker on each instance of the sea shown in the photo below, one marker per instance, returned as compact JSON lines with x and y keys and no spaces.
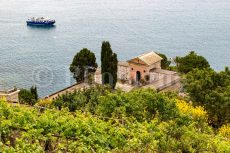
{"x":41,"y":56}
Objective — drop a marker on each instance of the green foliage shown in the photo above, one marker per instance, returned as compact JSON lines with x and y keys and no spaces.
{"x":225,"y":131}
{"x":101,"y":101}
{"x":191,"y":61}
{"x":109,"y":64}
{"x":211,"y":90}
{"x":144,"y":108}
{"x":44,"y":103}
{"x":84,"y":100}
{"x":171,"y":127}
{"x":82,"y":60}
{"x":164,"y":62}
{"x":34,"y":92}
{"x":28,"y":96}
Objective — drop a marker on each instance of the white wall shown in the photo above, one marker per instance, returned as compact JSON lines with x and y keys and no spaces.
{"x":123,"y":72}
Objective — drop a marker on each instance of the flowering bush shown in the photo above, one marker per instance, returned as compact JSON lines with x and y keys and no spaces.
{"x":197,"y":113}
{"x":138,"y":121}
{"x":225,"y":131}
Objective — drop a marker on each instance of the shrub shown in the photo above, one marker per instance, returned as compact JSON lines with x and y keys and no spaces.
{"x":45,"y":103}
{"x":225,"y":131}
{"x":141,"y":121}
{"x":190,"y":62}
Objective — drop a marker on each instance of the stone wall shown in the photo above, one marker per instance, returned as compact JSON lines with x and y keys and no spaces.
{"x":70,"y":89}
{"x":10,"y":95}
{"x":123,"y":72}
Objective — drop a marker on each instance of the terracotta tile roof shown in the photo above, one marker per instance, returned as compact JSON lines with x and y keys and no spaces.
{"x":150,"y":58}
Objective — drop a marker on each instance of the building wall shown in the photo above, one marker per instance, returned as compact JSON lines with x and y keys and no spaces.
{"x":70,"y":89}
{"x":98,"y":78}
{"x":155,"y":76}
{"x":128,"y":71}
{"x":11,"y":97}
{"x":123,"y":72}
{"x":156,"y":65}
{"x":174,"y":87}
{"x":136,"y":65}
{"x":144,"y":70}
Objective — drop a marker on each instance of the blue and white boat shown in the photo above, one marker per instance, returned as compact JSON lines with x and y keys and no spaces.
{"x":40,"y":21}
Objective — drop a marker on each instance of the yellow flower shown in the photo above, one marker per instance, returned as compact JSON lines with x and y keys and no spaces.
{"x":225,"y":131}
{"x":188,"y":109}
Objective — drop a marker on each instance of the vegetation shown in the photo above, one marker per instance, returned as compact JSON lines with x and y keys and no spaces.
{"x":211,"y":90}
{"x":206,"y":87}
{"x":100,"y":119}
{"x":108,"y":65}
{"x":29,"y":97}
{"x":164,"y":62}
{"x":101,"y":101}
{"x":138,"y":121}
{"x":34,"y":92}
{"x":191,"y":61}
{"x":85,"y":100}
{"x":83,"y":61}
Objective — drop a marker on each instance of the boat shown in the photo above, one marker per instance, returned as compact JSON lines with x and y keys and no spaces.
{"x":40,"y":21}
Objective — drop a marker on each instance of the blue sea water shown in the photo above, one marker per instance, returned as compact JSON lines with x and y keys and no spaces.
{"x":41,"y":56}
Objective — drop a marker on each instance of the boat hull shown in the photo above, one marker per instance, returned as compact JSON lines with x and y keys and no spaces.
{"x":40,"y":23}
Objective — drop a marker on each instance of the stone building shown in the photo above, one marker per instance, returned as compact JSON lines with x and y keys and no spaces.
{"x":139,"y":68}
{"x":10,"y":95}
{"x":123,"y":71}
{"x":144,"y":70}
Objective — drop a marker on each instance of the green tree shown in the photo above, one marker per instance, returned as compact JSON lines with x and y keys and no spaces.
{"x":26,"y":97}
{"x":164,"y":62}
{"x":191,"y":61}
{"x":211,"y":90}
{"x":108,"y":65}
{"x":142,"y":120}
{"x":82,"y":61}
{"x":34,"y":92}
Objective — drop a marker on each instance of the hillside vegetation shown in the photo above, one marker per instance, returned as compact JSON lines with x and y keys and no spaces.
{"x":101,"y":120}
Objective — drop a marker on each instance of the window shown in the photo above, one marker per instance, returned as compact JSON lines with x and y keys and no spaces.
{"x":131,"y":68}
{"x":144,"y":71}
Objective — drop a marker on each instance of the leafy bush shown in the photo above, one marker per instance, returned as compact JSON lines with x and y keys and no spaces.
{"x":210,"y":90}
{"x":197,"y":113}
{"x":25,"y":130}
{"x":26,"y":97}
{"x":164,"y":62}
{"x":225,"y":131}
{"x":141,"y":104}
{"x":85,"y":100}
{"x":191,"y":61}
{"x":45,"y":103}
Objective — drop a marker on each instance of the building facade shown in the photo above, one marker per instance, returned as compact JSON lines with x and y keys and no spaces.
{"x":140,"y":68}
{"x":10,"y":95}
{"x":144,"y":70}
{"x":123,"y":71}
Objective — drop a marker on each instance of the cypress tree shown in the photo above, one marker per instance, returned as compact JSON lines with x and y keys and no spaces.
{"x":34,"y":92}
{"x":108,"y":65}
